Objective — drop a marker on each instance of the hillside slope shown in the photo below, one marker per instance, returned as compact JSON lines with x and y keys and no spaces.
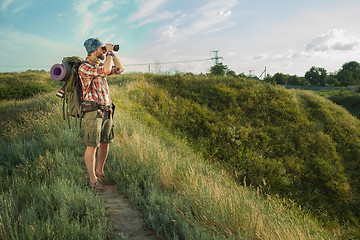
{"x":43,"y":193}
{"x":287,"y":142}
{"x":26,"y":84}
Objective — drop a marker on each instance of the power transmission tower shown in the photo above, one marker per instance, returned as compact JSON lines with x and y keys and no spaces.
{"x":263,"y":74}
{"x":250,"y":73}
{"x":216,"y":58}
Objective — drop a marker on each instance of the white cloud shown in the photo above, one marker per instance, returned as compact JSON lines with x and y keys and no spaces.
{"x":315,"y":36}
{"x":14,"y":7}
{"x":212,"y":17}
{"x":189,"y":35}
{"x":93,"y":16}
{"x":105,"y":6}
{"x":215,"y":11}
{"x":225,"y":14}
{"x":334,"y":39}
{"x":158,"y":17}
{"x":150,"y":11}
{"x":215,"y":5}
{"x":170,"y":31}
{"x":87,"y":18}
{"x":261,"y":56}
{"x":5,"y":4}
{"x":147,"y":9}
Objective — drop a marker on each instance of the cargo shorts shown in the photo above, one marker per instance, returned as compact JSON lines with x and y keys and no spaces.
{"x":98,"y":129}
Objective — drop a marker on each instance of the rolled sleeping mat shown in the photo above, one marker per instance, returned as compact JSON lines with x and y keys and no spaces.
{"x":60,"y":72}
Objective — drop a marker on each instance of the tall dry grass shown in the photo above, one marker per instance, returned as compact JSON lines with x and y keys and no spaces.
{"x":148,"y":158}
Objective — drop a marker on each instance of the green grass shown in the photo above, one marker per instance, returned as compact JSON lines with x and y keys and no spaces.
{"x":182,"y":193}
{"x":184,"y":197}
{"x":348,"y":99}
{"x":287,"y":142}
{"x":43,"y":194}
{"x":25,"y":85}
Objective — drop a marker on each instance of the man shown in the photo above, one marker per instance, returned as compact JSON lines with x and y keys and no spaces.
{"x":97,"y":105}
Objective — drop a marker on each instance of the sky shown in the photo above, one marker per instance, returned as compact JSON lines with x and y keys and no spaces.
{"x":287,"y":36}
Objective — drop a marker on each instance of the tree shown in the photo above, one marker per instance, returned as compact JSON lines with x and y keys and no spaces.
{"x":349,"y":74}
{"x":332,"y":80}
{"x":316,"y":76}
{"x":280,"y":78}
{"x":345,"y":78}
{"x":222,"y":70}
{"x":242,"y":75}
{"x":302,"y":81}
{"x":230,"y":73}
{"x":292,"y":80}
{"x":219,"y":69}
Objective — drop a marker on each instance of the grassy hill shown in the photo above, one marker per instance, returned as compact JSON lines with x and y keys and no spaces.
{"x":202,"y":158}
{"x":25,"y":85}
{"x":287,"y":142}
{"x":348,"y":99}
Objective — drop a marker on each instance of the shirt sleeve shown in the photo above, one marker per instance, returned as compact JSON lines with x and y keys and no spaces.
{"x":115,"y":70}
{"x":88,"y":70}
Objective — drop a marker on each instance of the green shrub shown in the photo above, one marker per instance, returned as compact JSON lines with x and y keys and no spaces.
{"x":349,"y":100}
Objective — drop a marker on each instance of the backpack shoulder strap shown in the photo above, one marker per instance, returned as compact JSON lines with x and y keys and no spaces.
{"x":91,"y":82}
{"x":80,"y":92}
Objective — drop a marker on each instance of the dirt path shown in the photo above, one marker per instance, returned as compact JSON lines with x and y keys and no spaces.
{"x":126,"y":219}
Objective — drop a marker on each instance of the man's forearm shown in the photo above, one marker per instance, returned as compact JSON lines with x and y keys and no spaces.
{"x":118,"y":63}
{"x":108,"y":65}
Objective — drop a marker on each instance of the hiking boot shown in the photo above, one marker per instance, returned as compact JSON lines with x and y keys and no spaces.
{"x":97,"y":186}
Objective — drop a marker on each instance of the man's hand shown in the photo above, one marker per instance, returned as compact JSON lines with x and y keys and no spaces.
{"x":109,"y":47}
{"x":115,"y":59}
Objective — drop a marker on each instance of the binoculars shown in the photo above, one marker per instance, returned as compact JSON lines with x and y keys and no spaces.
{"x":116,"y":48}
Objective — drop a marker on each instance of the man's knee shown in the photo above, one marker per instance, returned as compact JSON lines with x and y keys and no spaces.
{"x":104,"y":145}
{"x":90,"y":149}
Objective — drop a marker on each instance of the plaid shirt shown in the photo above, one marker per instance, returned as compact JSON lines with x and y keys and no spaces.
{"x":95,"y":86}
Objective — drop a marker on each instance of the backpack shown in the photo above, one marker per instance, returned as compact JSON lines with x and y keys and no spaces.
{"x":71,"y":91}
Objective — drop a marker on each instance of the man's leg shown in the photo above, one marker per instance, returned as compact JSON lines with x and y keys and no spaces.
{"x":102,"y":156}
{"x":90,"y":163}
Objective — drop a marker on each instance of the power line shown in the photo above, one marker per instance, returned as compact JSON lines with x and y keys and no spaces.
{"x":162,"y":63}
{"x":156,"y":63}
